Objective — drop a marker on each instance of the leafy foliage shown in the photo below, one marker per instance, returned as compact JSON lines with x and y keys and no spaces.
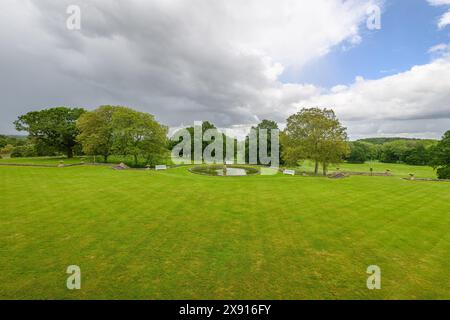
{"x":12,"y":140}
{"x":138,"y":134}
{"x":123,"y":131}
{"x":315,"y":134}
{"x":206,"y":125}
{"x":268,"y":125}
{"x":54,"y":127}
{"x":361,"y":152}
{"x":7,"y":150}
{"x":24,"y":151}
{"x":380,"y":141}
{"x":441,"y":157}
{"x":3,"y":141}
{"x":97,"y":131}
{"x":414,"y":152}
{"x":443,"y":172}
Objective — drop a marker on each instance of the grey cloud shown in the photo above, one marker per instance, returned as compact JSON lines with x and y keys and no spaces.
{"x":180,"y":60}
{"x":431,"y":129}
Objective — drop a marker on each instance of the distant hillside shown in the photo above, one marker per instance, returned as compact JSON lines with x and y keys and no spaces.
{"x":14,"y":140}
{"x":385,"y":140}
{"x":14,"y":136}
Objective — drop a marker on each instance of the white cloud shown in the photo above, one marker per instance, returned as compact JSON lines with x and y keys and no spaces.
{"x":421,"y":93}
{"x":439,"y":2}
{"x":438,"y":48}
{"x":415,"y":103}
{"x":445,"y":19}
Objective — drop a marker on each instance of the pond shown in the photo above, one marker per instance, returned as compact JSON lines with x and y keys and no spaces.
{"x":230,"y":170}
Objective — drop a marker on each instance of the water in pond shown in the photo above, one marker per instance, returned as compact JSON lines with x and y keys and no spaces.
{"x":232,"y":172}
{"x":218,"y":170}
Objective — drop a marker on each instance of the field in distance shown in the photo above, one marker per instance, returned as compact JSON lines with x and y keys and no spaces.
{"x":396,"y":169}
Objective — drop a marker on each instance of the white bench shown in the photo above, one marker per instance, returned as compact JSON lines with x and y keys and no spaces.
{"x":289,"y":172}
{"x":161,"y":167}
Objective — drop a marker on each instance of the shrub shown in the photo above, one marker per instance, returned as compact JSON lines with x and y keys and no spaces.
{"x":7,"y":149}
{"x":444,"y":172}
{"x":3,"y":141}
{"x":24,"y":152}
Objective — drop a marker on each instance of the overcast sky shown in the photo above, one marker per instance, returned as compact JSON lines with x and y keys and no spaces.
{"x":233,"y":62}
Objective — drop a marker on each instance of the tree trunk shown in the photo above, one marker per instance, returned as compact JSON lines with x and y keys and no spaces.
{"x":325,"y":167}
{"x":69,"y":153}
{"x":316,"y":168}
{"x":105,"y":158}
{"x":135,"y":160}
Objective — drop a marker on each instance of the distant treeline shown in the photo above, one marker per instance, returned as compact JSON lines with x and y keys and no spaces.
{"x":13,"y":140}
{"x":15,"y":146}
{"x":311,"y":134}
{"x":392,"y":150}
{"x":392,"y":139}
{"x":105,"y":131}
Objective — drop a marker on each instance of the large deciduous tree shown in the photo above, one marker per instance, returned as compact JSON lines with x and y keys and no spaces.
{"x":138,"y":134}
{"x":441,"y":157}
{"x":268,"y":125}
{"x":122,"y":131}
{"x":206,"y":125}
{"x":97,"y":131}
{"x":317,"y":135}
{"x":54,"y":127}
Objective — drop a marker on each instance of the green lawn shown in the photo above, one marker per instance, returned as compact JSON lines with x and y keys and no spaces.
{"x":44,"y":160}
{"x":173,"y":234}
{"x":76,"y":160}
{"x":401,"y":170}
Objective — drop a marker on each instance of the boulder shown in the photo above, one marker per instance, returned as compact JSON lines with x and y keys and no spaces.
{"x":121,"y":166}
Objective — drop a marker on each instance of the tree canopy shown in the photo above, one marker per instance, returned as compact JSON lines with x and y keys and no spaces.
{"x":122,"y":131}
{"x":315,"y":134}
{"x":206,"y":125}
{"x":138,"y":134}
{"x":3,"y":141}
{"x":414,"y":152}
{"x":54,"y":127}
{"x":97,"y":131}
{"x":361,"y":152}
{"x":441,"y":157}
{"x":268,"y":125}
